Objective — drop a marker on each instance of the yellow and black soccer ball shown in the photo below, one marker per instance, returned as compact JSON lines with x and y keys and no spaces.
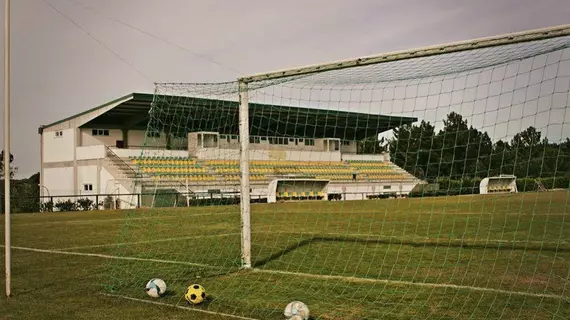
{"x":195,"y":294}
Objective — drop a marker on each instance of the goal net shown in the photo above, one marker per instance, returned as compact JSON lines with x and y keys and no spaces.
{"x":339,"y":150}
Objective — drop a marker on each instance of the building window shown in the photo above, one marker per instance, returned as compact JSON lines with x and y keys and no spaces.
{"x":100,"y":132}
{"x":309,"y":142}
{"x":254,"y":140}
{"x":58,"y":134}
{"x":345,"y":142}
{"x":87,"y":187}
{"x":387,"y":187}
{"x":276,"y":140}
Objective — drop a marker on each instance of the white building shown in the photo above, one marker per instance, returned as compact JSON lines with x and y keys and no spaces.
{"x":91,"y":154}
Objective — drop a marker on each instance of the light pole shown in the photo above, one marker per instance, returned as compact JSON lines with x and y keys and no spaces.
{"x":7,"y":244}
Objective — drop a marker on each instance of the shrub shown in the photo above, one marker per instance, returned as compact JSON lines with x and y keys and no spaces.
{"x":66,"y":205}
{"x":46,"y":206}
{"x":85,"y":204}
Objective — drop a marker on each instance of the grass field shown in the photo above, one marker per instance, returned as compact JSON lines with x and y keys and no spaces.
{"x":467,"y":257}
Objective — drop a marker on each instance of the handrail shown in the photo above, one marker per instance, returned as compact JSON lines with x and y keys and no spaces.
{"x":111,"y":154}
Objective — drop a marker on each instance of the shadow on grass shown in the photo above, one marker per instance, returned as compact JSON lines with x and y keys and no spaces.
{"x":418,"y":244}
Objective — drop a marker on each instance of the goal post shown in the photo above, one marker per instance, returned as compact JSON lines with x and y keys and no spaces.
{"x":245,"y":196}
{"x":355,"y":186}
{"x":480,"y":43}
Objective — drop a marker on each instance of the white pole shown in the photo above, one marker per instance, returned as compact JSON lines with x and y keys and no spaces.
{"x":244,"y":167}
{"x":7,"y":245}
{"x":187,"y":194}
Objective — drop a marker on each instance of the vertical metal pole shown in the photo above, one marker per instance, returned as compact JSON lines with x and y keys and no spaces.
{"x":7,"y":244}
{"x":244,"y":167}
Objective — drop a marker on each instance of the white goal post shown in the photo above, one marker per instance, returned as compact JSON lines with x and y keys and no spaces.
{"x":479,"y":43}
{"x":248,"y":83}
{"x":368,"y":128}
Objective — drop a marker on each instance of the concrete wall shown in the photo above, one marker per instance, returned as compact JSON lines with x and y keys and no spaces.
{"x":89,"y":139}
{"x":58,"y":181}
{"x":135,"y":139}
{"x":370,"y":157}
{"x":359,"y":190}
{"x":58,"y":146}
{"x":138,"y":138}
{"x":351,"y":148}
{"x":289,"y":155}
{"x":136,"y":152}
{"x":91,"y":152}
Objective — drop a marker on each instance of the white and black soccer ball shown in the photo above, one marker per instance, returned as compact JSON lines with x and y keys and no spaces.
{"x":296,"y":310}
{"x":155,"y":288}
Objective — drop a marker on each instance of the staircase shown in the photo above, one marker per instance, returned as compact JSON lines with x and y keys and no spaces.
{"x":123,"y":173}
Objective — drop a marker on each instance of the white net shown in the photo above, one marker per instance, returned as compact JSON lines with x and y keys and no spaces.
{"x":404,"y":146}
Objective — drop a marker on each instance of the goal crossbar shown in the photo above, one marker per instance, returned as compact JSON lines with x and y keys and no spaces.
{"x":478,"y":43}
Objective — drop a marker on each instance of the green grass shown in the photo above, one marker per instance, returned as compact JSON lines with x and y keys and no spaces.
{"x":467,"y":257}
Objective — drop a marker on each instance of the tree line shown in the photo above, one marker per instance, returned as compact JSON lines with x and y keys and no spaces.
{"x":460,"y":151}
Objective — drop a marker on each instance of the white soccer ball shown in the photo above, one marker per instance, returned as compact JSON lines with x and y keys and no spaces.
{"x":155,"y":288}
{"x":297,"y":310}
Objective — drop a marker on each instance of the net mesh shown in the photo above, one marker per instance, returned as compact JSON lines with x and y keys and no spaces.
{"x":452,"y":173}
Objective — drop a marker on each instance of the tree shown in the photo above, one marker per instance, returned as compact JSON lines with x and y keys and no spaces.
{"x":528,"y":151}
{"x":415,"y":148}
{"x":13,"y":169}
{"x":371,"y":145}
{"x":454,"y":137}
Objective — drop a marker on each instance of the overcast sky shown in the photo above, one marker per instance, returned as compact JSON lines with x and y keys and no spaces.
{"x":58,"y":69}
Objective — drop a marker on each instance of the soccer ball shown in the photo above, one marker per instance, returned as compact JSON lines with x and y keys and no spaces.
{"x":297,"y":310}
{"x":195,"y":294}
{"x":155,"y":288}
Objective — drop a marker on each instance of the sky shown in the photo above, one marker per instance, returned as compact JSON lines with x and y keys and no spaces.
{"x":72,"y":55}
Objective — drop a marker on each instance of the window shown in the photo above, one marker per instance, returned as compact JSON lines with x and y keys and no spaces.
{"x":309,"y":142}
{"x":87,"y":187}
{"x":345,"y":142}
{"x":100,"y":132}
{"x":58,"y":134}
{"x":387,"y":187}
{"x":276,"y":140}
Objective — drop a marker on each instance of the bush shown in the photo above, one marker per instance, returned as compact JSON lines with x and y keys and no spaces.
{"x":450,"y":187}
{"x":65,"y":206}
{"x":46,"y":206}
{"x":529,"y":184}
{"x":457,"y":187}
{"x":85,"y":204}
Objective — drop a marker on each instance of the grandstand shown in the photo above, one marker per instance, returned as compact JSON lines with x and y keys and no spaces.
{"x":105,"y":151}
